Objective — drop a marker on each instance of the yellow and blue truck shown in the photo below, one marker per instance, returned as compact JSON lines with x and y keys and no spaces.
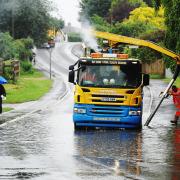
{"x":113,"y":95}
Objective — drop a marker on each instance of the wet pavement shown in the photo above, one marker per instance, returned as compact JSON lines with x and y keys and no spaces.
{"x":44,"y":146}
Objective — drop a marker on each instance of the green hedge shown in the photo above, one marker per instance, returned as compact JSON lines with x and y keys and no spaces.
{"x":74,"y":37}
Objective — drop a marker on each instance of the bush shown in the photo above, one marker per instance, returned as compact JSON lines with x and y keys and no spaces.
{"x":6,"y":46}
{"x":23,"y":48}
{"x":100,"y":24}
{"x":26,"y":67}
{"x":132,"y":29}
{"x":74,"y":37}
{"x":8,"y":73}
{"x":18,"y":49}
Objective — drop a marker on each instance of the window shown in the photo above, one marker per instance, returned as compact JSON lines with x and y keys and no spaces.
{"x":114,"y":76}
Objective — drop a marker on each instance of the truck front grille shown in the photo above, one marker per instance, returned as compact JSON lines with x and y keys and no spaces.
{"x":110,"y":110}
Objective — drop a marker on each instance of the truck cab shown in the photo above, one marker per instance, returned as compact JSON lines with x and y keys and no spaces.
{"x":108,"y":91}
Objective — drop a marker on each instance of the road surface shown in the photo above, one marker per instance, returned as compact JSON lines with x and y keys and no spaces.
{"x":37,"y":139}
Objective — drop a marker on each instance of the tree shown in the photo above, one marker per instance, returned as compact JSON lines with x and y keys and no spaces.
{"x":172,"y":21}
{"x":120,"y":9}
{"x":19,"y":49}
{"x":100,"y":23}
{"x":23,"y":48}
{"x":7,"y":49}
{"x":26,"y":18}
{"x":32,"y":20}
{"x":149,"y":2}
{"x":56,"y":23}
{"x":146,"y":54}
{"x":90,"y":7}
{"x":131,"y":29}
{"x":141,"y":21}
{"x":6,"y":15}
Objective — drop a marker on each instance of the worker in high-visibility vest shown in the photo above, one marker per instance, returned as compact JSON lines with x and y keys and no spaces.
{"x":175,"y":92}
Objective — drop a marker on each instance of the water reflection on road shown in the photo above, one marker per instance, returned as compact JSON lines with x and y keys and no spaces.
{"x":46,"y":147}
{"x":130,"y":154}
{"x":109,"y":153}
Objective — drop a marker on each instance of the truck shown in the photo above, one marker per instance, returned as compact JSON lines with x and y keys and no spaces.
{"x":51,"y":42}
{"x":51,"y":37}
{"x":113,"y":96}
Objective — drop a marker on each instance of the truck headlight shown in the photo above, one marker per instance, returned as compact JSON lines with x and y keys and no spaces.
{"x":134,"y":113}
{"x":80,"y":110}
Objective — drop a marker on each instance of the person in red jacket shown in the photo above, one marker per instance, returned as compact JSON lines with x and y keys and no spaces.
{"x":175,"y":92}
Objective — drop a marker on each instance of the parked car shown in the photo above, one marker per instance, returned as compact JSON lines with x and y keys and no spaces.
{"x":45,"y":45}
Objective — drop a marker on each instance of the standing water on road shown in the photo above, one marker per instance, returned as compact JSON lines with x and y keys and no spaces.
{"x":44,"y":146}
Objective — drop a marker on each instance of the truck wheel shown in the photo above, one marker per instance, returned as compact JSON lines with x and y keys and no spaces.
{"x":139,"y":127}
{"x":78,"y":128}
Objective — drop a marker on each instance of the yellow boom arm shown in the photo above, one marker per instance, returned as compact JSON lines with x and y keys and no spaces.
{"x":114,"y":38}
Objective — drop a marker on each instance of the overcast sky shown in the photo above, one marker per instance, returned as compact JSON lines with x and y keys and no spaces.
{"x":68,"y":10}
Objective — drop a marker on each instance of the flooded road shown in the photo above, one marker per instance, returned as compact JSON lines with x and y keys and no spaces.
{"x":44,"y":146}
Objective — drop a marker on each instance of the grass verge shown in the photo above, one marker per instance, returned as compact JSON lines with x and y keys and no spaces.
{"x":29,"y":87}
{"x":6,"y":109}
{"x":177,"y":82}
{"x":156,"y":76}
{"x":167,"y":80}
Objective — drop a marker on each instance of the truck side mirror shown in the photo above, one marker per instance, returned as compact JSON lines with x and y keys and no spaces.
{"x":146,"y":79}
{"x":71,"y":67}
{"x":71,"y":77}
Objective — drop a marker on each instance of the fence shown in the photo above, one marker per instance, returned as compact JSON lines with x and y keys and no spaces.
{"x":14,"y":69}
{"x":15,"y":65}
{"x":157,"y":67}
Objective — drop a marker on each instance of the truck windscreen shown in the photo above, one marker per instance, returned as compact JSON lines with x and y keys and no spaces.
{"x":126,"y":75}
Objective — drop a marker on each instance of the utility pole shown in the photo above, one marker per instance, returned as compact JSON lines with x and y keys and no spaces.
{"x":50,"y":59}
